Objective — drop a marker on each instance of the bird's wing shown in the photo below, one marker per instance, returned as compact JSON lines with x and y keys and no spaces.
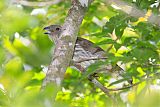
{"x":88,"y":45}
{"x":85,"y":49}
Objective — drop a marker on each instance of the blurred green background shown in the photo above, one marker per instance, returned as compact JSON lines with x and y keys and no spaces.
{"x":25,"y":52}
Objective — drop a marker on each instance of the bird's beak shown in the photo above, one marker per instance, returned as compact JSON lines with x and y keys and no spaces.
{"x":47,"y":29}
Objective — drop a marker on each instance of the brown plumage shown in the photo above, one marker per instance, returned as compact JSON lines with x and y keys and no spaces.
{"x":84,"y":49}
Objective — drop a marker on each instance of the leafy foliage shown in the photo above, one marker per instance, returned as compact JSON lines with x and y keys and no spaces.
{"x":24,"y":50}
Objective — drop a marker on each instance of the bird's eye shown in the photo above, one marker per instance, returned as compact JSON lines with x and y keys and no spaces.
{"x":57,"y":29}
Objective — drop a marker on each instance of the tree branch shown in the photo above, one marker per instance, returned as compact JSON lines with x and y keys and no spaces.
{"x":133,"y":11}
{"x":65,"y":46}
{"x":39,"y":4}
{"x":99,"y":85}
{"x":155,"y":75}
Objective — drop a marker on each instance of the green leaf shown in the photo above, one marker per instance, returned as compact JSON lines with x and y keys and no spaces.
{"x":142,"y":55}
{"x":4,"y":101}
{"x":2,"y":55}
{"x":117,"y":46}
{"x":106,"y":41}
{"x":14,"y":67}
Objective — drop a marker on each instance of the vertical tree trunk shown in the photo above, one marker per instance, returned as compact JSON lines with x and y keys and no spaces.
{"x":64,"y":49}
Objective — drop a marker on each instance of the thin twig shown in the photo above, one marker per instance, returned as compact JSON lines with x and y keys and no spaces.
{"x":150,"y":77}
{"x":123,"y":88}
{"x":155,"y":65}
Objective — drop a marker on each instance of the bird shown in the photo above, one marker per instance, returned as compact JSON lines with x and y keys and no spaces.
{"x":84,"y":49}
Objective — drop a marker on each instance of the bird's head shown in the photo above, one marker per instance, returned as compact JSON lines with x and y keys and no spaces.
{"x":53,"y":31}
